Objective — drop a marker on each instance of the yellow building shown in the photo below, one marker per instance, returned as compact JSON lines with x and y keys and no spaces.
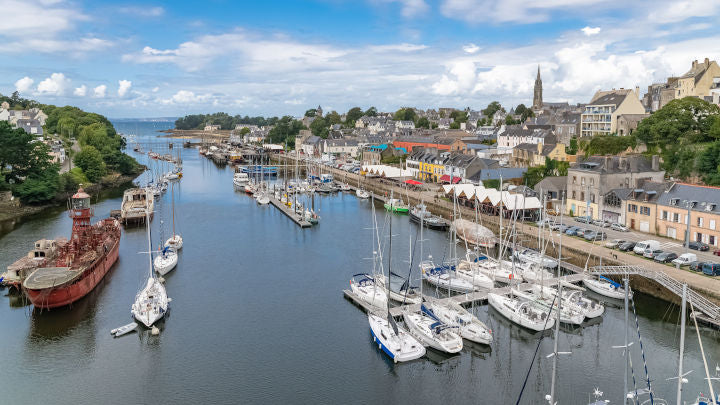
{"x":601,"y":114}
{"x":697,"y":81}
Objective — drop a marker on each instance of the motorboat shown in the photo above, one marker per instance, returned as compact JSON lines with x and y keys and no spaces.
{"x":240,"y":179}
{"x":360,"y":193}
{"x":165,"y":261}
{"x":470,"y":327}
{"x":396,"y":205}
{"x":429,"y":330}
{"x":420,"y":214}
{"x":440,"y":276}
{"x":521,"y":312}
{"x":393,"y":339}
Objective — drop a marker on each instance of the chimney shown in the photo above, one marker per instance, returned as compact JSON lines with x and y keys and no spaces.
{"x":694,"y":64}
{"x":707,"y":62}
{"x":637,"y":91}
{"x":655,"y":163}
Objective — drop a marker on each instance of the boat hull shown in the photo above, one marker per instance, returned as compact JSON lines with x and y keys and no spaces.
{"x":439,"y":226}
{"x":48,"y":298}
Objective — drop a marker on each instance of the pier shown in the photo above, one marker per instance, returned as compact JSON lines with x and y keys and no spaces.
{"x":300,"y":221}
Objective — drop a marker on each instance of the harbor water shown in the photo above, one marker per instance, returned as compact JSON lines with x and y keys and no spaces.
{"x":258,"y":316}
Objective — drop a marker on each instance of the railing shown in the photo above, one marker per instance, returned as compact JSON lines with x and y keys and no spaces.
{"x":676,"y":287}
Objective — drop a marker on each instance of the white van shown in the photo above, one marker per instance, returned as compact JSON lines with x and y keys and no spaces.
{"x":646,"y":244}
{"x":685,"y":259}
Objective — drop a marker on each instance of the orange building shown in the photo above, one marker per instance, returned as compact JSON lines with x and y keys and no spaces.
{"x":703,"y":203}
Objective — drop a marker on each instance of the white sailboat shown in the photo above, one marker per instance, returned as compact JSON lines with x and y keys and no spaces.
{"x":165,"y":261}
{"x":521,"y":312}
{"x":151,"y":303}
{"x":440,"y":276}
{"x":470,"y":327}
{"x":427,"y":328}
{"x":473,"y":275}
{"x":360,"y":193}
{"x":390,"y":337}
{"x":369,"y":290}
{"x":545,"y":302}
{"x":575,"y":300}
{"x":605,"y":287}
{"x":535,"y":257}
{"x":498,"y":271}
{"x":176,"y":241}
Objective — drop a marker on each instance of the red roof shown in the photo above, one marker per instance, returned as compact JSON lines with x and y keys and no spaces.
{"x":446,"y":178}
{"x":415,"y":182}
{"x":80,"y":194}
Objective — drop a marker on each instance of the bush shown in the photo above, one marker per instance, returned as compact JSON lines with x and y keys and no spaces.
{"x":90,"y":160}
{"x":38,"y":189}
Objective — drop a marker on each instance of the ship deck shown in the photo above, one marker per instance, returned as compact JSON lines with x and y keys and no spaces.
{"x":47,"y":277}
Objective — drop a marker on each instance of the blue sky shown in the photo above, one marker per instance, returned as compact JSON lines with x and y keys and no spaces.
{"x":163,"y":58}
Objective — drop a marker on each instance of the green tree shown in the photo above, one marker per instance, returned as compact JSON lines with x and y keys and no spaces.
{"x":319,"y":127}
{"x":459,"y":116}
{"x":422,"y":122}
{"x":333,"y":118}
{"x":686,"y":120}
{"x":311,"y":112}
{"x":353,"y":114}
{"x":609,"y":144}
{"x":285,"y":128}
{"x":244,"y":131}
{"x":509,"y":120}
{"x":40,"y":187}
{"x":491,"y":109}
{"x":405,"y":114}
{"x":371,"y":112}
{"x":533,"y":175}
{"x":91,"y":162}
{"x":573,"y":148}
{"x":20,"y":155}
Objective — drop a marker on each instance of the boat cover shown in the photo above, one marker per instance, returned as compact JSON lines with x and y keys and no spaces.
{"x":614,"y":284}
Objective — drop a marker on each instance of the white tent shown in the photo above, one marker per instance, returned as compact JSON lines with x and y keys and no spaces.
{"x":387,"y":171}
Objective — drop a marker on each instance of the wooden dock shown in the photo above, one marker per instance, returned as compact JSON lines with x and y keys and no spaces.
{"x":462,"y":299}
{"x":301,"y":222}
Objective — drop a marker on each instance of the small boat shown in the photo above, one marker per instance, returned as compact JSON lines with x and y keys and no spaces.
{"x":250,"y":188}
{"x":533,"y":272}
{"x":394,"y":340}
{"x":175,"y":242}
{"x":344,"y":187}
{"x":396,"y":205}
{"x":262,"y":198}
{"x":474,"y":276}
{"x":501,"y":272}
{"x":151,"y":302}
{"x":406,"y":295}
{"x":521,"y":313}
{"x":533,"y":256}
{"x":544,"y":301}
{"x":440,"y":277}
{"x":360,"y":193}
{"x":470,"y":327}
{"x":165,"y":261}
{"x":575,"y":300}
{"x":135,"y":202}
{"x":240,"y":179}
{"x":606,"y":287}
{"x":124,"y":330}
{"x":419,"y":213}
{"x":429,"y":330}
{"x":370,"y":292}
{"x":311,"y":216}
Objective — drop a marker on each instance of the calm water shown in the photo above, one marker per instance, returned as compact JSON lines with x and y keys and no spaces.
{"x":258,"y":316}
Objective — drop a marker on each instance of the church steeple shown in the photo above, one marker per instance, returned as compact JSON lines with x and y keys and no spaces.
{"x":537,"y":93}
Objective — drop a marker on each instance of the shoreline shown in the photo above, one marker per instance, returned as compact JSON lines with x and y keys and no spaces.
{"x":193,"y":133}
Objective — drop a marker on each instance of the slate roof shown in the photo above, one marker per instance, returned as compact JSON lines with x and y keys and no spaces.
{"x":634,"y":164}
{"x":610,"y":99}
{"x":552,"y":183}
{"x":706,"y":198}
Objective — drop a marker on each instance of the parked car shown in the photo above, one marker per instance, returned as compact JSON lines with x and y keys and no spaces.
{"x":627,"y":246}
{"x":696,"y":266}
{"x":571,"y":231}
{"x":614,"y":243}
{"x":552,"y":212}
{"x":581,"y":232}
{"x":717,"y":252}
{"x":619,"y":227}
{"x":665,"y":257}
{"x":601,"y":223}
{"x":711,"y":269}
{"x":650,"y":253}
{"x":593,"y":235}
{"x":685,"y":259}
{"x":583,"y":220}
{"x":640,"y":247}
{"x":699,"y":246}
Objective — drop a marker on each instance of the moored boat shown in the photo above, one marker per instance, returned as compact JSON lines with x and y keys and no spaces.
{"x":80,"y":264}
{"x":474,"y":234}
{"x":396,"y":205}
{"x":420,"y":213}
{"x":44,"y":252}
{"x":135,"y":202}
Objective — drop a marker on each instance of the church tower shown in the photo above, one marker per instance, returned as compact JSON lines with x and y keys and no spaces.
{"x":537,"y":95}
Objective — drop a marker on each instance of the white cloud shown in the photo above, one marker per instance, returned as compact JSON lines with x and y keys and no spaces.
{"x":188,"y":97}
{"x":297,"y":101}
{"x":123,"y":87}
{"x":80,"y":91}
{"x":99,"y":91}
{"x":676,"y":11}
{"x":155,"y":89}
{"x":409,"y":8}
{"x":23,"y":85}
{"x":397,"y":48}
{"x":143,"y":11}
{"x":590,"y":31}
{"x":470,"y":48}
{"x":54,"y":85}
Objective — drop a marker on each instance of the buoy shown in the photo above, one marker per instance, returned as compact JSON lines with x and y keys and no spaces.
{"x":155,"y":331}
{"x":169,"y":299}
{"x":161,"y":279}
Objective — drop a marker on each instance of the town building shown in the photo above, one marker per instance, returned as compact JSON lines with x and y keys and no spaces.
{"x":552,"y":189}
{"x":590,"y":179}
{"x":537,"y":92}
{"x":703,"y":204}
{"x":530,"y":154}
{"x":601,"y":114}
{"x":515,"y":135}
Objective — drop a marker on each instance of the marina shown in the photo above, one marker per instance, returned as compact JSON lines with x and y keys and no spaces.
{"x":244,"y":264}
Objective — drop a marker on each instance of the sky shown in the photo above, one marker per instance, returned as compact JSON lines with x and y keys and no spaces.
{"x":171,"y":58}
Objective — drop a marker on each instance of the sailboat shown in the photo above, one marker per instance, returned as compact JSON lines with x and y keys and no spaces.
{"x":606,"y":287}
{"x":544,"y":302}
{"x":469,"y":326}
{"x":390,"y":337}
{"x":431,"y":331}
{"x":521,"y":312}
{"x":151,"y":303}
{"x":365,"y":286}
{"x":440,"y":276}
{"x":575,"y":300}
{"x":176,"y":241}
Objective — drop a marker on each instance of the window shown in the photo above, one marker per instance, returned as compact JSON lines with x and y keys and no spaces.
{"x":645,"y":210}
{"x":676,"y":217}
{"x":664,"y":215}
{"x":592,"y":181}
{"x":627,"y":182}
{"x":574,"y":195}
{"x":582,"y":195}
{"x":712,"y":224}
{"x":700,"y":222}
{"x":574,"y":179}
{"x":592,"y":198}
{"x":632,"y":208}
{"x":582,"y":181}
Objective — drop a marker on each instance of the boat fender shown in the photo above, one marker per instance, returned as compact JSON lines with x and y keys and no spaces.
{"x":169,"y":299}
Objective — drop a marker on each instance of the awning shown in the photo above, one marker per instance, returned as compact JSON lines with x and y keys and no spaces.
{"x":446,"y":178}
{"x":415,"y":182}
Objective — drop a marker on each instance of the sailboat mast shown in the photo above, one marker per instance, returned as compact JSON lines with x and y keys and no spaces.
{"x":557,"y":321}
{"x":627,"y":349}
{"x":682,"y":345}
{"x":172,"y":198}
{"x":147,"y":227}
